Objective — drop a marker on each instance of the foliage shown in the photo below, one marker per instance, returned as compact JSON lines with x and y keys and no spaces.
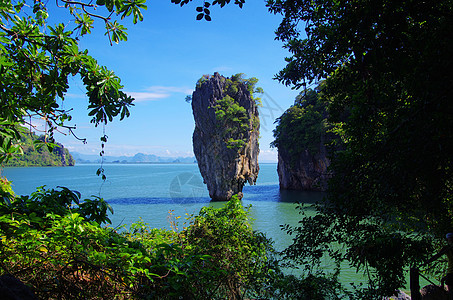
{"x":54,"y":243}
{"x":237,"y":259}
{"x":34,"y":154}
{"x":303,"y":126}
{"x":202,"y":79}
{"x":203,"y":11}
{"x":231,"y":117}
{"x":6,"y":191}
{"x":45,"y":202}
{"x":388,"y":78}
{"x":37,"y":61}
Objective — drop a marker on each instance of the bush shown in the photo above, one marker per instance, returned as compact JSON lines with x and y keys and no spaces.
{"x":58,"y":246}
{"x":236,"y":260}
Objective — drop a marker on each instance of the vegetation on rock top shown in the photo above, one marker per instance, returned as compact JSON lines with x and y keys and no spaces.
{"x":231,"y":117}
{"x":35,"y":153}
{"x":301,"y":127}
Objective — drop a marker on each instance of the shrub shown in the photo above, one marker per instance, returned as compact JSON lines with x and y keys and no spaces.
{"x":58,"y":246}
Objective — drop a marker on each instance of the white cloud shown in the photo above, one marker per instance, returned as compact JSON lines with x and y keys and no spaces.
{"x":268,"y":155}
{"x":154,"y":93}
{"x":145,"y":96}
{"x":170,"y":89}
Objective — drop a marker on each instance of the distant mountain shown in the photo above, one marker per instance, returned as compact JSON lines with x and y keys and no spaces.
{"x":136,"y":159}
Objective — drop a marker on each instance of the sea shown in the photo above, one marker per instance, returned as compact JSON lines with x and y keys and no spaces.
{"x":159,"y":193}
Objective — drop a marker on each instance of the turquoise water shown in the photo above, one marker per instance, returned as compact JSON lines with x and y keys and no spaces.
{"x":150,"y":191}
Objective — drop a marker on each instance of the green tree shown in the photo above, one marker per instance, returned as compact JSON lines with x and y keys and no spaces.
{"x":36,"y":155}
{"x":387,"y":66}
{"x":302,"y":126}
{"x":231,"y":117}
{"x":237,"y":263}
{"x":37,"y":59}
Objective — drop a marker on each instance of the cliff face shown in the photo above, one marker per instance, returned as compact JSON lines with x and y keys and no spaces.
{"x":301,"y":136}
{"x":225,"y":139}
{"x":308,"y":172}
{"x":64,"y":155}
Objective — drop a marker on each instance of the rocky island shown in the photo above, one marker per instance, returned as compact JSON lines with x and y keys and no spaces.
{"x":300,"y":137}
{"x":35,"y":153}
{"x":225,"y":138}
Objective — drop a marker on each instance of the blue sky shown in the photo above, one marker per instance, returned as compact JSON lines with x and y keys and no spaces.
{"x":160,"y":64}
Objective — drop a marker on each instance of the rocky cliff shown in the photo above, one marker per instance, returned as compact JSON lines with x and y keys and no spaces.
{"x":225,"y":139}
{"x":306,"y":172}
{"x":300,"y":136}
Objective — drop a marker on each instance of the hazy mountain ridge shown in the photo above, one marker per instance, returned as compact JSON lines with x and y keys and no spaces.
{"x":136,"y":159}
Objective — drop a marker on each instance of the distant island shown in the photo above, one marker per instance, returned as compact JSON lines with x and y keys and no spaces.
{"x":36,"y":154}
{"x":138,"y":158}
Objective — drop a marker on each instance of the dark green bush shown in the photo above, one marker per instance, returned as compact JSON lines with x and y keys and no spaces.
{"x":56,"y":245}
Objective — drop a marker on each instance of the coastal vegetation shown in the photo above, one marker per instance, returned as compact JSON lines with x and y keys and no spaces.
{"x":55,"y":242}
{"x":387,"y":74}
{"x":303,"y":137}
{"x":35,"y":154}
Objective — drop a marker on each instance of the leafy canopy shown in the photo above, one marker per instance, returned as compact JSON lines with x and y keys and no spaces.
{"x":387,"y":66}
{"x":302,"y":126}
{"x":55,"y":244}
{"x":37,"y":59}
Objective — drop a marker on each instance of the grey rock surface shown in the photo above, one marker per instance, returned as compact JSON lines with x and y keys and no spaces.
{"x":225,"y":170}
{"x":309,"y":172}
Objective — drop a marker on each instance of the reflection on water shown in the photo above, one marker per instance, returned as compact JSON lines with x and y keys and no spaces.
{"x":158,"y":200}
{"x":270,"y":193}
{"x":300,"y":196}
